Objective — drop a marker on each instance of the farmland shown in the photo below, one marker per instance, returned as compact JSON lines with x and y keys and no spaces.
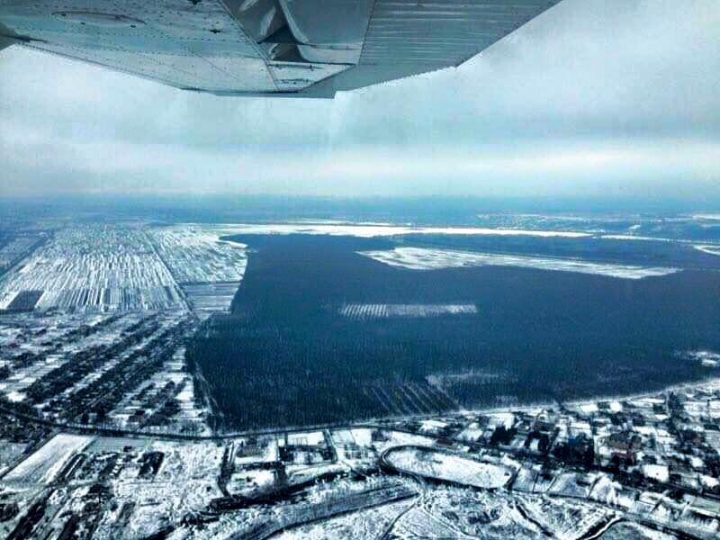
{"x":208,"y":270}
{"x":15,"y":249}
{"x":94,"y":324}
{"x":197,"y":256}
{"x":111,"y":267}
{"x":93,"y":269}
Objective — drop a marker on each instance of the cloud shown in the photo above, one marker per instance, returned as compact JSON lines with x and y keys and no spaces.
{"x":593,"y":95}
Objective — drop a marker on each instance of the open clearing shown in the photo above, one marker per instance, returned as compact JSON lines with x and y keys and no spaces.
{"x":42,"y":466}
{"x":386,"y":311}
{"x":432,"y":259}
{"x":438,"y":465}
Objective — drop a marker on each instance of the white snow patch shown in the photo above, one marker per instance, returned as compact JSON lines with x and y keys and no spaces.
{"x":634,"y":237}
{"x":616,"y":406}
{"x":661,"y":473}
{"x":710,"y":250}
{"x":432,"y":426}
{"x":589,"y":408}
{"x":46,"y":462}
{"x":433,"y":259}
{"x":371,"y":231}
{"x":362,"y":436}
{"x":706,"y":358}
{"x":709,"y":482}
{"x":506,"y":419}
{"x":440,"y":465}
{"x":15,"y":396}
{"x":315,"y":438}
{"x":386,"y":311}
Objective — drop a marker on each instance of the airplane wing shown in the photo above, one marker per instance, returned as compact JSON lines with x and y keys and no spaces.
{"x":304,"y":48}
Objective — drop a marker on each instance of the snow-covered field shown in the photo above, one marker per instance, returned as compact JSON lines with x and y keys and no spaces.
{"x":628,"y":529}
{"x":371,"y":523}
{"x":9,"y":453}
{"x":386,"y":311}
{"x":15,"y":249}
{"x":443,"y":466}
{"x":94,"y":268}
{"x":306,"y":438}
{"x":635,"y":237}
{"x":461,"y":513}
{"x":209,"y":298}
{"x":185,"y":483}
{"x":42,"y":466}
{"x":208,"y":269}
{"x":433,"y":259}
{"x":710,"y":250}
{"x":706,"y":358}
{"x":378,"y":230}
{"x":196,"y":255}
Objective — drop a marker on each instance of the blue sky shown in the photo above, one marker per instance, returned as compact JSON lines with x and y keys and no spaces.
{"x":595,"y":97}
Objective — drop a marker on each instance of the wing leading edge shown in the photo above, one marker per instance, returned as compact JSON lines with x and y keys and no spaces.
{"x":302,"y":48}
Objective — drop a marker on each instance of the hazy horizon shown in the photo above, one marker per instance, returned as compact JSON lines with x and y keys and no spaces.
{"x":419,"y":210}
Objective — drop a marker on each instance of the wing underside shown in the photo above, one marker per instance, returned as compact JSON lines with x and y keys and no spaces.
{"x":307,"y":48}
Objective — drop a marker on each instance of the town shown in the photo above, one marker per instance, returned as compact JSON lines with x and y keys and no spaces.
{"x":647,"y":464}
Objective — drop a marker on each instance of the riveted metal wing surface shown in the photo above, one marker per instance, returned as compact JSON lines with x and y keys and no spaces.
{"x":304,"y":48}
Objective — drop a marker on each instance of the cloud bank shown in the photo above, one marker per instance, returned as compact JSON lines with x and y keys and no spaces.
{"x":593,"y":97}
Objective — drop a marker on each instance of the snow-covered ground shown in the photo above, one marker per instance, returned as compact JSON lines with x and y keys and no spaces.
{"x":305,"y":438}
{"x":628,"y":529}
{"x":710,"y":250}
{"x":9,"y":453}
{"x":42,"y":466}
{"x":635,"y":237}
{"x":371,"y":523}
{"x":706,"y":358}
{"x":660,"y":473}
{"x":444,"y":466}
{"x":433,"y":259}
{"x":378,"y":230}
{"x":185,"y":483}
{"x":209,"y":298}
{"x":249,"y":480}
{"x":386,"y":311}
{"x":94,"y":268}
{"x":462,"y":513}
{"x":394,"y":438}
{"x":208,"y":269}
{"x":197,"y":255}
